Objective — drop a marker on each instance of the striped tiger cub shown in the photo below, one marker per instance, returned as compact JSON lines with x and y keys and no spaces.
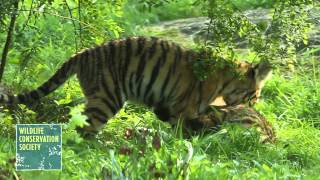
{"x":245,"y":116}
{"x":151,"y":71}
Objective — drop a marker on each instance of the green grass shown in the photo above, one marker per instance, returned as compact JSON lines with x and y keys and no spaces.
{"x":136,"y":16}
{"x":253,"y":4}
{"x":178,"y":10}
{"x":291,"y":103}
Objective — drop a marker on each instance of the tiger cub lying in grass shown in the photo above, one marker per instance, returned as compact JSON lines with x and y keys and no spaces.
{"x":243,"y":115}
{"x":151,"y":71}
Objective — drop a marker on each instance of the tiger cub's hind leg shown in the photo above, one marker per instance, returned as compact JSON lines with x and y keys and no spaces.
{"x":98,"y":110}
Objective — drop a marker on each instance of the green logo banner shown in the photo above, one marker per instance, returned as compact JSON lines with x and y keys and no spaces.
{"x":38,"y":146}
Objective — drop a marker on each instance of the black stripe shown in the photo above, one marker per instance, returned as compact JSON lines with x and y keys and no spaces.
{"x":76,"y":60}
{"x":187,"y":93}
{"x":83,"y":59}
{"x":150,"y":99}
{"x":22,"y":98}
{"x":112,"y":45}
{"x":10,"y":99}
{"x":89,"y":121}
{"x":55,"y":78}
{"x":111,"y":59}
{"x":156,"y":68}
{"x":234,"y":91}
{"x":113,"y":63}
{"x":106,"y":56}
{"x":174,"y":86}
{"x":118,"y":95}
{"x":120,"y":56}
{"x":141,"y":43}
{"x":153,"y":47}
{"x":195,"y":125}
{"x":68,"y":66}
{"x":126,"y":64}
{"x":109,"y":51}
{"x":153,"y":78}
{"x":224,"y":85}
{"x":112,"y":68}
{"x":95,"y":63}
{"x":100,"y":119}
{"x":139,"y":86}
{"x":164,"y":45}
{"x":34,"y":94}
{"x":100,"y":61}
{"x":94,"y":110}
{"x":189,"y":56}
{"x":61,"y":75}
{"x":141,"y":66}
{"x":107,"y":91}
{"x":180,"y":103}
{"x":45,"y":88}
{"x":131,"y":84}
{"x":250,"y":93}
{"x":120,"y":59}
{"x":63,"y":68}
{"x":181,"y":107}
{"x":88,"y":67}
{"x":184,"y":97}
{"x":1,"y":97}
{"x":177,"y":58}
{"x":200,"y":94}
{"x":106,"y":102}
{"x":64,"y":71}
{"x":93,"y":72}
{"x":249,"y":96}
{"x":99,"y":65}
{"x":162,"y":112}
{"x":165,"y":83}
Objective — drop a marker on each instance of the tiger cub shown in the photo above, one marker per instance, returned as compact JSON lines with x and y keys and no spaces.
{"x":245,"y":116}
{"x":151,"y":71}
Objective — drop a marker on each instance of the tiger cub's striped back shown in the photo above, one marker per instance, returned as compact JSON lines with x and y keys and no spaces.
{"x":152,"y":71}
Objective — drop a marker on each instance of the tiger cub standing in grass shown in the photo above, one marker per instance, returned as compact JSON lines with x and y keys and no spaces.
{"x":151,"y":71}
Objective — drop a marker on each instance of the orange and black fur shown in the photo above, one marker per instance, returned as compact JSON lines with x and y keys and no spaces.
{"x":151,"y":71}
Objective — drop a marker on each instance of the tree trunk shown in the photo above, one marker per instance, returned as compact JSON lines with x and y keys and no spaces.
{"x":9,"y":38}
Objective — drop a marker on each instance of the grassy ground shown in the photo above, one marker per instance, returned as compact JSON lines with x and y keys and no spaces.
{"x":135,"y":145}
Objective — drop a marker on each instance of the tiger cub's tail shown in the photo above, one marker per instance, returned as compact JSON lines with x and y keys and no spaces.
{"x":67,"y":69}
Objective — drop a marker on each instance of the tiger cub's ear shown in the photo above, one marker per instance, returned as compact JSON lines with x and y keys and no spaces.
{"x":260,"y":73}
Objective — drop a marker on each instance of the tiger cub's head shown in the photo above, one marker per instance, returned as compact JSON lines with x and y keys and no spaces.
{"x":245,"y":89}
